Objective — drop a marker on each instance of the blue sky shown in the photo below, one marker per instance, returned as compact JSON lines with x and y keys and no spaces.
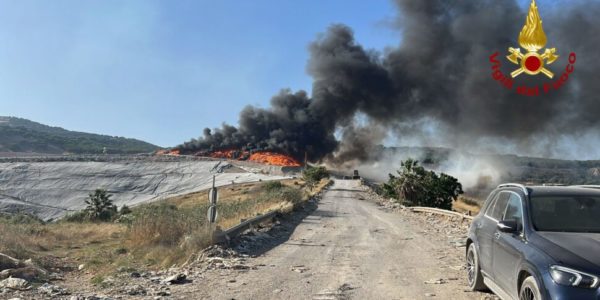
{"x":161,"y":71}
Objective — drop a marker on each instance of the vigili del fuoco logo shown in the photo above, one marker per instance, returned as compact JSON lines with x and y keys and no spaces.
{"x":530,"y":62}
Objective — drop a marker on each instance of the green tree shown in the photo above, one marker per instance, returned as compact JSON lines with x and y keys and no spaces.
{"x":409,"y":186}
{"x":416,"y":186}
{"x":99,"y":206}
{"x":446,"y":190}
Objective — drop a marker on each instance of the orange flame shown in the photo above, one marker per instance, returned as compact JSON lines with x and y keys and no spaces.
{"x":228,"y":154}
{"x":168,"y":152}
{"x":263,"y":157}
{"x":275,"y":159}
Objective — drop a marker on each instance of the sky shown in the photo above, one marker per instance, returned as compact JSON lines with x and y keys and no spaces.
{"x":161,"y":71}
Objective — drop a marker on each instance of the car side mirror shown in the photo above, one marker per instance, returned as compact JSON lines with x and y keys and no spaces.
{"x":508,"y":226}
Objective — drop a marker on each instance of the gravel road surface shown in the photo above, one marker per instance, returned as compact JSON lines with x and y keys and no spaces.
{"x":348,"y":248}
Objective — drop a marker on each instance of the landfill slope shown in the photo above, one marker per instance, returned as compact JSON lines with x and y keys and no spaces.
{"x":50,"y":190}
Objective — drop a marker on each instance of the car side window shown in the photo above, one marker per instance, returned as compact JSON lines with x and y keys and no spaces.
{"x":489,"y":202}
{"x":514,"y":210}
{"x":500,"y":206}
{"x":490,"y":207}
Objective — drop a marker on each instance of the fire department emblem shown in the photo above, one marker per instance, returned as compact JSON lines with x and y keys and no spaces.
{"x":532,"y":38}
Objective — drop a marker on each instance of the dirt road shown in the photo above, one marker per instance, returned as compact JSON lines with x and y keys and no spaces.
{"x":348,"y":248}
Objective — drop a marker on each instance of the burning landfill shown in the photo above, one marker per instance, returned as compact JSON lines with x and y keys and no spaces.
{"x":433,"y":89}
{"x":263,"y":157}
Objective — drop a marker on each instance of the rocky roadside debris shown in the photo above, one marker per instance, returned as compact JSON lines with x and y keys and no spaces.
{"x":19,"y":278}
{"x":217,"y":257}
{"x":24,"y":280}
{"x":129,"y":284}
{"x":25,"y":269}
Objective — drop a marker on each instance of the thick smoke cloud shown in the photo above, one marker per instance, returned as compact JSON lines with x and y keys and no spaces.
{"x":439,"y":77}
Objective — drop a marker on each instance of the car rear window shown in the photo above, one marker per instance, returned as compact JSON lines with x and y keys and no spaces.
{"x":566,"y":213}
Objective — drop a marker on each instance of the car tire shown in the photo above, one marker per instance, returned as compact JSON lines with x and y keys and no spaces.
{"x":474,"y":276}
{"x":530,"y":290}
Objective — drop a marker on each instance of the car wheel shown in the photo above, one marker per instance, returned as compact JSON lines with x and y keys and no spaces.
{"x":474,"y":276}
{"x":530,"y":290}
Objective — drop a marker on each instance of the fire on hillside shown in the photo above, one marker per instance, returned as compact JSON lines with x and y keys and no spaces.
{"x":263,"y":157}
{"x":173,"y":152}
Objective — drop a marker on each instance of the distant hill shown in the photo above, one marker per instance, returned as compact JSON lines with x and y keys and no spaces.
{"x":21,"y":135}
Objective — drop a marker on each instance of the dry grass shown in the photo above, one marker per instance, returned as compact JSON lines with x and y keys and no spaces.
{"x":77,"y":242}
{"x":464,"y":205}
{"x":157,"y":235}
{"x":170,"y":231}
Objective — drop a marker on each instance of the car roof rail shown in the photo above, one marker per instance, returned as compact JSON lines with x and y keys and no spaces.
{"x":588,"y":186}
{"x":517,"y":185}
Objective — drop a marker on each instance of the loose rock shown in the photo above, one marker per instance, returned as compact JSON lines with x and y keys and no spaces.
{"x":134,"y":290}
{"x":7,"y":262}
{"x":14,"y":284}
{"x":175,"y":279}
{"x":299,"y":269}
{"x":52,"y":290}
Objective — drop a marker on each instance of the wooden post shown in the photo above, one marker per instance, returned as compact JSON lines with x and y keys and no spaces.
{"x":305,"y":160}
{"x":213,"y":196}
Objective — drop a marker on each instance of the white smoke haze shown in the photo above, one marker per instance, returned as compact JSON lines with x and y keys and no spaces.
{"x":477,"y":173}
{"x":360,"y":148}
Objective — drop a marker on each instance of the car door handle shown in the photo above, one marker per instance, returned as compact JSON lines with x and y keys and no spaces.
{"x":497,"y":235}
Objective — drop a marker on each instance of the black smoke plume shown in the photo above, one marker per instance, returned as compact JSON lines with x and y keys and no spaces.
{"x":435,"y":86}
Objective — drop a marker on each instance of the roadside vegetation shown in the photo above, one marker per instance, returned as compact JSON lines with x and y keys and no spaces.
{"x":314,"y":175}
{"x":99,"y":208}
{"x":106,"y":239}
{"x":415,"y":186}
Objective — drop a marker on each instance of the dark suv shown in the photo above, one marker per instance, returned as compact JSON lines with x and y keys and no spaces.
{"x":537,"y":242}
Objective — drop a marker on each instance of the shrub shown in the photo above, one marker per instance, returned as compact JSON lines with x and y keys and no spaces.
{"x":77,"y":217}
{"x":291,"y":195}
{"x":20,"y":218}
{"x":270,"y":186}
{"x":124,"y":210}
{"x":312,"y":175}
{"x":100,"y":207}
{"x":420,"y":187}
{"x":387,"y":190}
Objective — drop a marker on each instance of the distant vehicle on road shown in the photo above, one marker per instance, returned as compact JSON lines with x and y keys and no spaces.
{"x":537,"y":242}
{"x":356,"y":176}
